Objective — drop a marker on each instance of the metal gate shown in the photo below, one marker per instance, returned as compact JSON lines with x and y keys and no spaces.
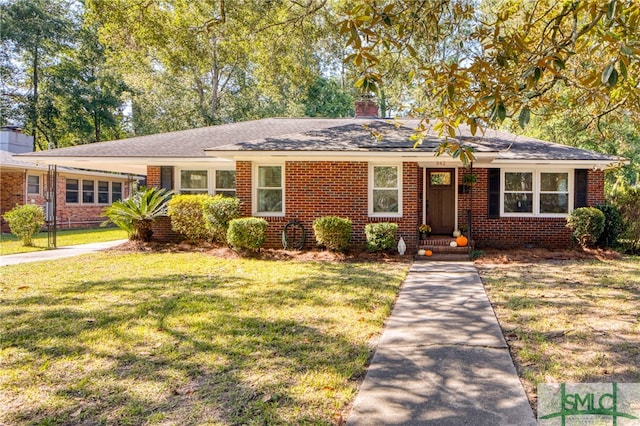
{"x":50,"y":207}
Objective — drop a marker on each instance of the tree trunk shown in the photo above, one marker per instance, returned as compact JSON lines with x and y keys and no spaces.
{"x":35,"y":99}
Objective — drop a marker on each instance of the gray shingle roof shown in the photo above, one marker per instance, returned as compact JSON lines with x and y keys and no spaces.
{"x":7,"y":159}
{"x":397,"y":137}
{"x":311,"y":134}
{"x":192,"y":143}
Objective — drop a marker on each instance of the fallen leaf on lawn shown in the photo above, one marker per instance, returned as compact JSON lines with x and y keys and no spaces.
{"x":186,"y":390}
{"x":266,"y":398}
{"x":22,"y":287}
{"x":76,"y":413}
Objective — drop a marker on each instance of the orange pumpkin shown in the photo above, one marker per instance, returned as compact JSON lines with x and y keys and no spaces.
{"x":428,"y":253}
{"x":462,"y":241}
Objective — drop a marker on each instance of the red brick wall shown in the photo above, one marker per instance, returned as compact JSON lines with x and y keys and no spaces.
{"x":68,"y":215}
{"x":323,"y":188}
{"x":153,"y":176}
{"x":510,"y":232}
{"x":12,"y":189}
{"x":314,"y":189}
{"x":595,"y":182}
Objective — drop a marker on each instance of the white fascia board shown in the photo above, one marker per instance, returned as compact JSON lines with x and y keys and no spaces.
{"x":74,"y":172}
{"x":597,"y":164}
{"x":135,"y":165}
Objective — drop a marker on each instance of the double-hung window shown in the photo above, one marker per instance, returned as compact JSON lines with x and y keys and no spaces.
{"x":194,"y":181}
{"x":88,"y":191}
{"x":385,"y":197}
{"x":72,"y":191}
{"x":116,"y":191}
{"x":518,"y":192}
{"x":33,"y":184}
{"x":103,"y":192}
{"x":536,"y":193}
{"x":270,"y":190}
{"x":554,"y":192}
{"x":207,"y":181}
{"x":226,"y":182}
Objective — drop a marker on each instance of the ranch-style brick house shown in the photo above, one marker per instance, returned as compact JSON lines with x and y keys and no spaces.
{"x":286,"y":169}
{"x":80,"y":195}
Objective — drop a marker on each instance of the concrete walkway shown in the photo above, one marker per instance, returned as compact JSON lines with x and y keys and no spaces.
{"x":59,"y":253}
{"x":442,"y":359}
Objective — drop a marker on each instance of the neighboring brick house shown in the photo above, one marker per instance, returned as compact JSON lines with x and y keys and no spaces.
{"x":81,"y":195}
{"x":300,"y":169}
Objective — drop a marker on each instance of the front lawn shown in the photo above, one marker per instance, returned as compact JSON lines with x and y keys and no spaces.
{"x":187,"y":339}
{"x":10,"y":244}
{"x":569,"y":320}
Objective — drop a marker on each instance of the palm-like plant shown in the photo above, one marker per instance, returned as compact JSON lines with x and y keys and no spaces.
{"x":137,"y":213}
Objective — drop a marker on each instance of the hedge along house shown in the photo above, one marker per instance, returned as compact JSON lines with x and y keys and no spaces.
{"x":80,"y":195}
{"x":299,"y":169}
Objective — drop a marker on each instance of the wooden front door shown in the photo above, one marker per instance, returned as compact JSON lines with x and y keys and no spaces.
{"x":441,"y":200}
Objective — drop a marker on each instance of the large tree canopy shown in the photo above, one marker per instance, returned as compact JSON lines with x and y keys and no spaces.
{"x":207,"y":62}
{"x":504,"y":59}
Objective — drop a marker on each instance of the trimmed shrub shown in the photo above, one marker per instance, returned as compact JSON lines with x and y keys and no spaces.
{"x":381,"y":236}
{"x":247,"y":233}
{"x":587,"y":224}
{"x":187,"y":218}
{"x":25,"y":221}
{"x":333,"y":232}
{"x":627,"y":200}
{"x":218,"y":211}
{"x":613,"y":226}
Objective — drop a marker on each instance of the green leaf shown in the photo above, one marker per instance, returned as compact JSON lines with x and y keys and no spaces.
{"x":606,"y":74}
{"x":499,"y":112}
{"x":623,"y":69}
{"x":626,"y":50}
{"x":525,"y":115}
{"x":613,"y":78}
{"x":611,"y":9}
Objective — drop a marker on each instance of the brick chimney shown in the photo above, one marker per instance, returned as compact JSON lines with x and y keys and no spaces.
{"x":366,"y":108}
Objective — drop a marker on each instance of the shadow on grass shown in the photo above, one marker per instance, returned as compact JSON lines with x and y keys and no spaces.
{"x":571,"y":320}
{"x":191,"y":348}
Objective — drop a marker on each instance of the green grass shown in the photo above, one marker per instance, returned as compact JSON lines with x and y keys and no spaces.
{"x":185,"y":338}
{"x":571,"y":320}
{"x":9,"y":243}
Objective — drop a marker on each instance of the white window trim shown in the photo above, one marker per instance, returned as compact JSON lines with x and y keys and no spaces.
{"x":214,"y":182}
{"x":399,"y":166}
{"x":78,"y":191}
{"x":39,"y":184}
{"x":178,"y":178}
{"x":536,"y":192}
{"x":122,"y":197}
{"x":211,"y":179}
{"x":97,"y":192}
{"x":254,"y":190}
{"x":81,"y":181}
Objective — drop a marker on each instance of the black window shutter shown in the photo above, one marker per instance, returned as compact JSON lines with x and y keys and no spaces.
{"x":580,"y":184}
{"x":494,"y":193}
{"x":166,"y":177}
